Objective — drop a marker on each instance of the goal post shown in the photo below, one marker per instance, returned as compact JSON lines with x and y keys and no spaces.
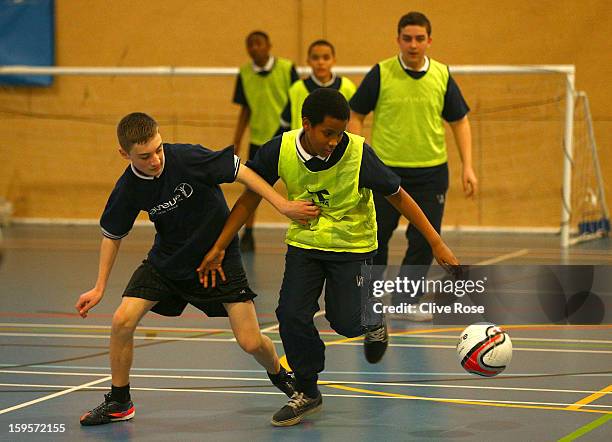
{"x":504,"y":101}
{"x":589,"y":205}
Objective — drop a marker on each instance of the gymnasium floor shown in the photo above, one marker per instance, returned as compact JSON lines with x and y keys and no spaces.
{"x":190,"y":382}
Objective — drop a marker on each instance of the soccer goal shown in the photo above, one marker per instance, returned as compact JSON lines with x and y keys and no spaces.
{"x":588,"y":209}
{"x":534,"y":146}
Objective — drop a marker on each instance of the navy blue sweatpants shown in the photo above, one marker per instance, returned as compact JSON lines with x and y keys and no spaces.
{"x":302,"y":285}
{"x":418,"y":255}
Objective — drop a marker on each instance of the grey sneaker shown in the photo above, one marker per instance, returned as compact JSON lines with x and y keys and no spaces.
{"x":298,"y":406}
{"x":375,"y":344}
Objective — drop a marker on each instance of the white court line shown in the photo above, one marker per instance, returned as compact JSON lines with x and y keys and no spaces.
{"x":504,"y":257}
{"x":576,"y":341}
{"x":277,"y":341}
{"x":54,"y":395}
{"x":364,"y":373}
{"x":274,"y":393}
{"x":108,"y":327}
{"x":136,"y":338}
{"x":141,"y":328}
{"x":549,"y":350}
{"x":274,"y":327}
{"x":323,"y":381}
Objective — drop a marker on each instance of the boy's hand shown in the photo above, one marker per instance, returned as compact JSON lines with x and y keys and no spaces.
{"x":87,"y":301}
{"x":300,"y":211}
{"x":445,"y":257}
{"x":470,"y":182}
{"x":211,"y":264}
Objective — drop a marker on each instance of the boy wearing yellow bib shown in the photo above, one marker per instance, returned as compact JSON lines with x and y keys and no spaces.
{"x":412,"y":96}
{"x":261,"y":91}
{"x":337,"y":171}
{"x":321,"y":59}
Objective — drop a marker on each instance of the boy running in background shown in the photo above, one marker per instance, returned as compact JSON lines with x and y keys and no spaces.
{"x":261,"y":91}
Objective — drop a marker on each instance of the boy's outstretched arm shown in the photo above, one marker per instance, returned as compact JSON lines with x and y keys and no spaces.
{"x":411,"y":210}
{"x":108,"y":253}
{"x":244,"y":207}
{"x":299,"y":211}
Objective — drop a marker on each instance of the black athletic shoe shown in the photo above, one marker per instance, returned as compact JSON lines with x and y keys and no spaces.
{"x":375,"y":344}
{"x":109,"y":411}
{"x":247,"y":243}
{"x":284,"y":381}
{"x":298,"y":406}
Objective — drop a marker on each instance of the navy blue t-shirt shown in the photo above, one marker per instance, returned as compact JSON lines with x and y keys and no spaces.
{"x":373,"y":175}
{"x":185,"y":203}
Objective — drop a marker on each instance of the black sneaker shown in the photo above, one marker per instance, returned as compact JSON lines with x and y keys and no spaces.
{"x":298,"y":406}
{"x":247,"y":243}
{"x":109,"y":411}
{"x":284,"y":381}
{"x":375,"y":344}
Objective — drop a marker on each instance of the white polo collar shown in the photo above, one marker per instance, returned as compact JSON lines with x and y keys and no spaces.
{"x":326,"y":84}
{"x":423,"y":69}
{"x":266,"y":68}
{"x":305,"y":156}
{"x":141,"y":175}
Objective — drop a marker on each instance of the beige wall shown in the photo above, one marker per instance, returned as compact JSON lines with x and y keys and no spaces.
{"x":57,"y":143}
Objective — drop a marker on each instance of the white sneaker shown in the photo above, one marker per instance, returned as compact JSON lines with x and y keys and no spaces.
{"x":417,"y":316}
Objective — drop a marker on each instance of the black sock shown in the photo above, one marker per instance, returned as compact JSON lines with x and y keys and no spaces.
{"x":308,"y":387}
{"x":276,"y":377}
{"x":120,"y":394}
{"x":311,"y":392}
{"x":248,"y":231}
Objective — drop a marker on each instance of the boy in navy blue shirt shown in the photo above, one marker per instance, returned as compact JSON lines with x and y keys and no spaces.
{"x":339,"y":172}
{"x":178,"y":186}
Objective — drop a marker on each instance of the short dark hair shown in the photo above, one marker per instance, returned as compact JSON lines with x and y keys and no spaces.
{"x":257,"y":34}
{"x":322,"y":42}
{"x":136,"y":128}
{"x":325,"y":102}
{"x":414,"y":18}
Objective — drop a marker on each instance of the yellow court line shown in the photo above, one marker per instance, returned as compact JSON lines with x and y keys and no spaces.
{"x":574,"y":408}
{"x":458,"y":401}
{"x":591,"y":398}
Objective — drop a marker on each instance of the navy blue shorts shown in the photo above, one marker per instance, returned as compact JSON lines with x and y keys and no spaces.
{"x":174,"y":295}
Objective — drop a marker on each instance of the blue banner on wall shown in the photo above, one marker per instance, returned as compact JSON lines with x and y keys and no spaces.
{"x":27,"y":38}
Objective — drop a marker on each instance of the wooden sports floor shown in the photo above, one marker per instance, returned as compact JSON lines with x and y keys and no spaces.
{"x":191,"y":382}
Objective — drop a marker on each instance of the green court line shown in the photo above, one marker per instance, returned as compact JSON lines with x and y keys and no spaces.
{"x":586,"y":429}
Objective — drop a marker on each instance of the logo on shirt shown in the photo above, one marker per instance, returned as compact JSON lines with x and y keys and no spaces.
{"x":322,"y":197}
{"x":185,"y":189}
{"x":181,"y":192}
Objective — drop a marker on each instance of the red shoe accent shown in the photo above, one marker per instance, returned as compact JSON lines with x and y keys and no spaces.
{"x":123,"y":414}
